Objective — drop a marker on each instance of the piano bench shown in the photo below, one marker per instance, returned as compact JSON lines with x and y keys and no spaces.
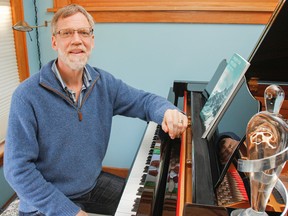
{"x":12,"y":210}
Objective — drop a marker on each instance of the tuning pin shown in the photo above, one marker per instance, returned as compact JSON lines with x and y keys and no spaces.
{"x":274,"y":96}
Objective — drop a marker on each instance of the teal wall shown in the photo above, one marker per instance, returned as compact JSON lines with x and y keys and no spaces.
{"x":148,"y":56}
{"x":5,"y":190}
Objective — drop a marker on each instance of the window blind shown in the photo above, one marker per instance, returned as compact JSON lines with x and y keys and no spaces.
{"x":9,"y":78}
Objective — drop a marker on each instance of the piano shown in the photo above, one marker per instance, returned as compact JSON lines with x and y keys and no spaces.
{"x":185,"y":176}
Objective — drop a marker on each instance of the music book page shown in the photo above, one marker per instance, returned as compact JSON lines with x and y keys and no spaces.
{"x":223,"y":92}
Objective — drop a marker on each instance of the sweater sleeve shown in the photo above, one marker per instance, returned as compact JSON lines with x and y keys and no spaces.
{"x":21,"y":151}
{"x":132,"y":102}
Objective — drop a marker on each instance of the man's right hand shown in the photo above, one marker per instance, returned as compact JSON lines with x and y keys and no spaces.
{"x":82,"y":213}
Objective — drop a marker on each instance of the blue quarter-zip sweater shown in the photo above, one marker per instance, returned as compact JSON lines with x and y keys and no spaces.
{"x":54,"y":149}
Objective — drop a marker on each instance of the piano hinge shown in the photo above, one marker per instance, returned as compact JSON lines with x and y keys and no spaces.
{"x":253,"y":85}
{"x":189,"y":121}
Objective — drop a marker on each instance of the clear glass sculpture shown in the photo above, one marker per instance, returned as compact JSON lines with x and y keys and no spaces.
{"x":266,"y":135}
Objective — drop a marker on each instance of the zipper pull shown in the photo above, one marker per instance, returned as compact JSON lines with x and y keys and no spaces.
{"x":80,"y":116}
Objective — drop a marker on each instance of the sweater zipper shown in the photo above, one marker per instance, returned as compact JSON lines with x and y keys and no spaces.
{"x":80,"y":115}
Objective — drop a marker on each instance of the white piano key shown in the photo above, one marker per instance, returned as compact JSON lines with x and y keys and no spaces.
{"x":133,"y":183}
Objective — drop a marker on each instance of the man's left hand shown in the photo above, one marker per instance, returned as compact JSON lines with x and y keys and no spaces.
{"x":174,"y":123}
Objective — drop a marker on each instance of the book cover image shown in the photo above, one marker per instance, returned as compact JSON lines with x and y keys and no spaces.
{"x":223,"y":92}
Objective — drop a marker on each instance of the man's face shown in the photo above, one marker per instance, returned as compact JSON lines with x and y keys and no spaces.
{"x":74,"y":48}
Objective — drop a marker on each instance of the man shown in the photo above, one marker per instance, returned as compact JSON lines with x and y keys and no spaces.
{"x":60,"y":123}
{"x":227,"y":143}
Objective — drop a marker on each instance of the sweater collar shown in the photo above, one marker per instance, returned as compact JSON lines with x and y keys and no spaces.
{"x":86,"y":76}
{"x":48,"y":77}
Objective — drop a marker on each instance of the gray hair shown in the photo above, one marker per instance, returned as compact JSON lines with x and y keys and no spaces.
{"x":67,"y":11}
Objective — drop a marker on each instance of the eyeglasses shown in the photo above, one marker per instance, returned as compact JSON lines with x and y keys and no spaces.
{"x":82,"y":32}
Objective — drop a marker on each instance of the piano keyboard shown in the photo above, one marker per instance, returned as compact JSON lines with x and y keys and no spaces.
{"x":136,"y":176}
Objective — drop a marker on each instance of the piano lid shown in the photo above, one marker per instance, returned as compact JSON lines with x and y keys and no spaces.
{"x":269,"y":59}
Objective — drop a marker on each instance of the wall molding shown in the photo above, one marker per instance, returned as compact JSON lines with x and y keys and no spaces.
{"x":122,"y":172}
{"x":176,"y":11}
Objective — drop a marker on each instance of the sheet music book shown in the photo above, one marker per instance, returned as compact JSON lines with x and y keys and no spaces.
{"x":223,"y":93}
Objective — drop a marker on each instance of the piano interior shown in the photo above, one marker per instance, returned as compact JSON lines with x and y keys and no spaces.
{"x":187,"y":176}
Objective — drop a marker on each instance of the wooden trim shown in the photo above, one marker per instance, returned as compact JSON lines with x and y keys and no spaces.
{"x":122,"y":172}
{"x":20,"y":40}
{"x":11,"y":199}
{"x":179,"y":11}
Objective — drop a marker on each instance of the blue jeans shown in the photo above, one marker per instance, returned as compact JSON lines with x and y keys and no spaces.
{"x":102,"y":199}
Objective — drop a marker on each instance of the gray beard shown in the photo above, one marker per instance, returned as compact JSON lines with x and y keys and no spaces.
{"x":79,"y":64}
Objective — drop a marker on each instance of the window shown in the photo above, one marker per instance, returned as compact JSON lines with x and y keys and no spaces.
{"x":8,"y":10}
{"x":9,"y":78}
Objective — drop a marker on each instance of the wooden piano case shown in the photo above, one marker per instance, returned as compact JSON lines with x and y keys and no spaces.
{"x":184,"y":176}
{"x":268,"y":66}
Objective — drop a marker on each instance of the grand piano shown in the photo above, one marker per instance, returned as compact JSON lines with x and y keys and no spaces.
{"x":185,"y":176}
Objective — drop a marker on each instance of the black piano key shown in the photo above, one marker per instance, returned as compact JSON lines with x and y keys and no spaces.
{"x":143,"y":178}
{"x":145,"y":169}
{"x":148,"y":159}
{"x":140,"y":191}
{"x":135,"y":205}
